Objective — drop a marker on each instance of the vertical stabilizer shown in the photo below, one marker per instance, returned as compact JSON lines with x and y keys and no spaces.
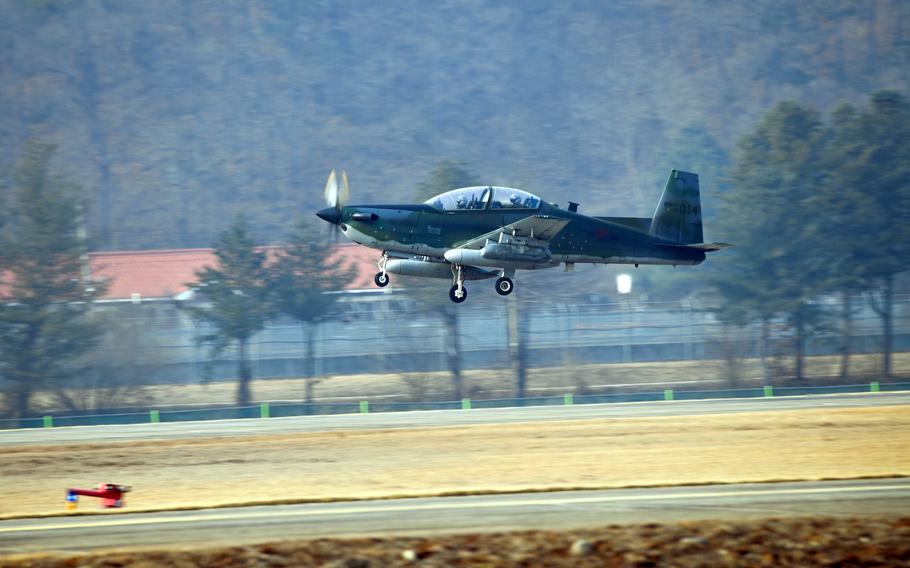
{"x":678,"y":215}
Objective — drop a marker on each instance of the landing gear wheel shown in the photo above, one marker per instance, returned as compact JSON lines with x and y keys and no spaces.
{"x":453,"y":294}
{"x":382,"y":279}
{"x":504,"y":286}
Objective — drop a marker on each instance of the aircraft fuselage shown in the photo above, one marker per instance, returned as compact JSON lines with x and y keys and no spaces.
{"x":425,"y":231}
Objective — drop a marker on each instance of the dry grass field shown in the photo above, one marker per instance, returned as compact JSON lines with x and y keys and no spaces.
{"x":805,"y":444}
{"x":498,"y":383}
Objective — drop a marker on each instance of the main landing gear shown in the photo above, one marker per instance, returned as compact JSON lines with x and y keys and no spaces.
{"x":458,"y":296}
{"x":382,"y":278}
{"x":504,"y":286}
{"x":458,"y":293}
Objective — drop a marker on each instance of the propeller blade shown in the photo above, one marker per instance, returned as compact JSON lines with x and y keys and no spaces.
{"x":345,"y":191}
{"x":331,"y":190}
{"x":332,"y":236}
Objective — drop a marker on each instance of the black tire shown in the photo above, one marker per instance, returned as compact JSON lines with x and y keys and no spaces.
{"x":456,"y":299}
{"x":381,"y":279}
{"x":504,"y":286}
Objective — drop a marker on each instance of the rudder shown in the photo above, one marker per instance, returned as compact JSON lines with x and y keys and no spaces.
{"x":678,"y":214}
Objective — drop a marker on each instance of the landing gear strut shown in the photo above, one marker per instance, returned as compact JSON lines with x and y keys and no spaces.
{"x":382,"y":278}
{"x":458,"y":293}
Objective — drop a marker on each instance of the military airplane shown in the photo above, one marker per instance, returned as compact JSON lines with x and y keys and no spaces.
{"x":474,"y":233}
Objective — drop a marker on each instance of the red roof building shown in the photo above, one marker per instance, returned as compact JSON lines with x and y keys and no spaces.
{"x":142,"y":275}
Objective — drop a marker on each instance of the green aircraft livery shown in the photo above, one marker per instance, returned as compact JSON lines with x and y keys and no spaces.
{"x":473,"y":233}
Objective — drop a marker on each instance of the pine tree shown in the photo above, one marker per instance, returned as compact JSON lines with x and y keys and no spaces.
{"x":300,"y":281}
{"x":237,"y":294}
{"x":843,"y":202}
{"x":869,"y":205}
{"x":45,"y":296}
{"x":771,"y":213}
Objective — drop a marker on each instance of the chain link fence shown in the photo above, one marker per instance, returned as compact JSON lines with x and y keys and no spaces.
{"x":268,"y":410}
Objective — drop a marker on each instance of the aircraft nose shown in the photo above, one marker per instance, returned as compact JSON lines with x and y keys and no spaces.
{"x":330,"y":214}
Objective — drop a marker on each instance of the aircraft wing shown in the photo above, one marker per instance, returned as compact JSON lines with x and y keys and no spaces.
{"x":542,"y":227}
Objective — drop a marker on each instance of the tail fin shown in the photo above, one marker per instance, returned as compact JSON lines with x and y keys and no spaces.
{"x":678,"y":214}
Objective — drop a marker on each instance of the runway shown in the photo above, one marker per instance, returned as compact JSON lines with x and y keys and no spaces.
{"x":558,"y":510}
{"x":438,"y":418}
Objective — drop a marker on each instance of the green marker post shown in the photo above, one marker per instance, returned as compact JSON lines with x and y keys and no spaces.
{"x":668,"y":394}
{"x":264,"y":410}
{"x":769,"y":391}
{"x":154,"y":416}
{"x":568,"y":399}
{"x":48,"y":421}
{"x":466,"y":404}
{"x":364,"y":407}
{"x":874,"y":386}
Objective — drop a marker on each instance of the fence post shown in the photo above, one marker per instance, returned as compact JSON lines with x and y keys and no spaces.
{"x":668,"y":394}
{"x":154,"y":416}
{"x":568,"y":399}
{"x":466,"y":404}
{"x":769,"y":391}
{"x":264,"y":410}
{"x":48,"y":421}
{"x":874,"y":387}
{"x":364,"y":407}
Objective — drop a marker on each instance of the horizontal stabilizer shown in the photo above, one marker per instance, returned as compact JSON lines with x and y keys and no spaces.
{"x":705,"y":247}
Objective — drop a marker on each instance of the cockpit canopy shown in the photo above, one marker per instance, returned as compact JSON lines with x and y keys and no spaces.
{"x":483,"y":197}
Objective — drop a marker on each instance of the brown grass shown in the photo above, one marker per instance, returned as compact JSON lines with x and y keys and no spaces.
{"x":805,"y":444}
{"x":499,"y":383}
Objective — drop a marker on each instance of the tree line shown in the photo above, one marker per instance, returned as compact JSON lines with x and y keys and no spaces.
{"x":172,"y":116}
{"x":246,"y":289}
{"x":817,"y":206}
{"x":48,"y":329}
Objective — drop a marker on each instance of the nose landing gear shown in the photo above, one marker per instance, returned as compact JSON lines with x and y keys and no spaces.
{"x":382,"y":278}
{"x":458,"y":293}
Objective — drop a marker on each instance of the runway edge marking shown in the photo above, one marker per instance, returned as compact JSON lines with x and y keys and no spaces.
{"x":454,"y":505}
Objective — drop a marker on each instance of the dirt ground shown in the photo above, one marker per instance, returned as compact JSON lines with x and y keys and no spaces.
{"x":876,"y":541}
{"x":604,"y":453}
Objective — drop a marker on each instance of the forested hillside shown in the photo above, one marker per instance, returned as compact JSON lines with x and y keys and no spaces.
{"x":172,"y":115}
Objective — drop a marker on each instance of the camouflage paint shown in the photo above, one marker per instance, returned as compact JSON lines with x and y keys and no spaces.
{"x":678,"y":214}
{"x":423,"y":230}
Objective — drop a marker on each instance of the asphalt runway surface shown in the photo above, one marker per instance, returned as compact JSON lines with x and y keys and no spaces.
{"x":558,"y":510}
{"x":438,"y":418}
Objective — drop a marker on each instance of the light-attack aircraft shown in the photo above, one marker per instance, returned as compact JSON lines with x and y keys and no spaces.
{"x":474,"y":233}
